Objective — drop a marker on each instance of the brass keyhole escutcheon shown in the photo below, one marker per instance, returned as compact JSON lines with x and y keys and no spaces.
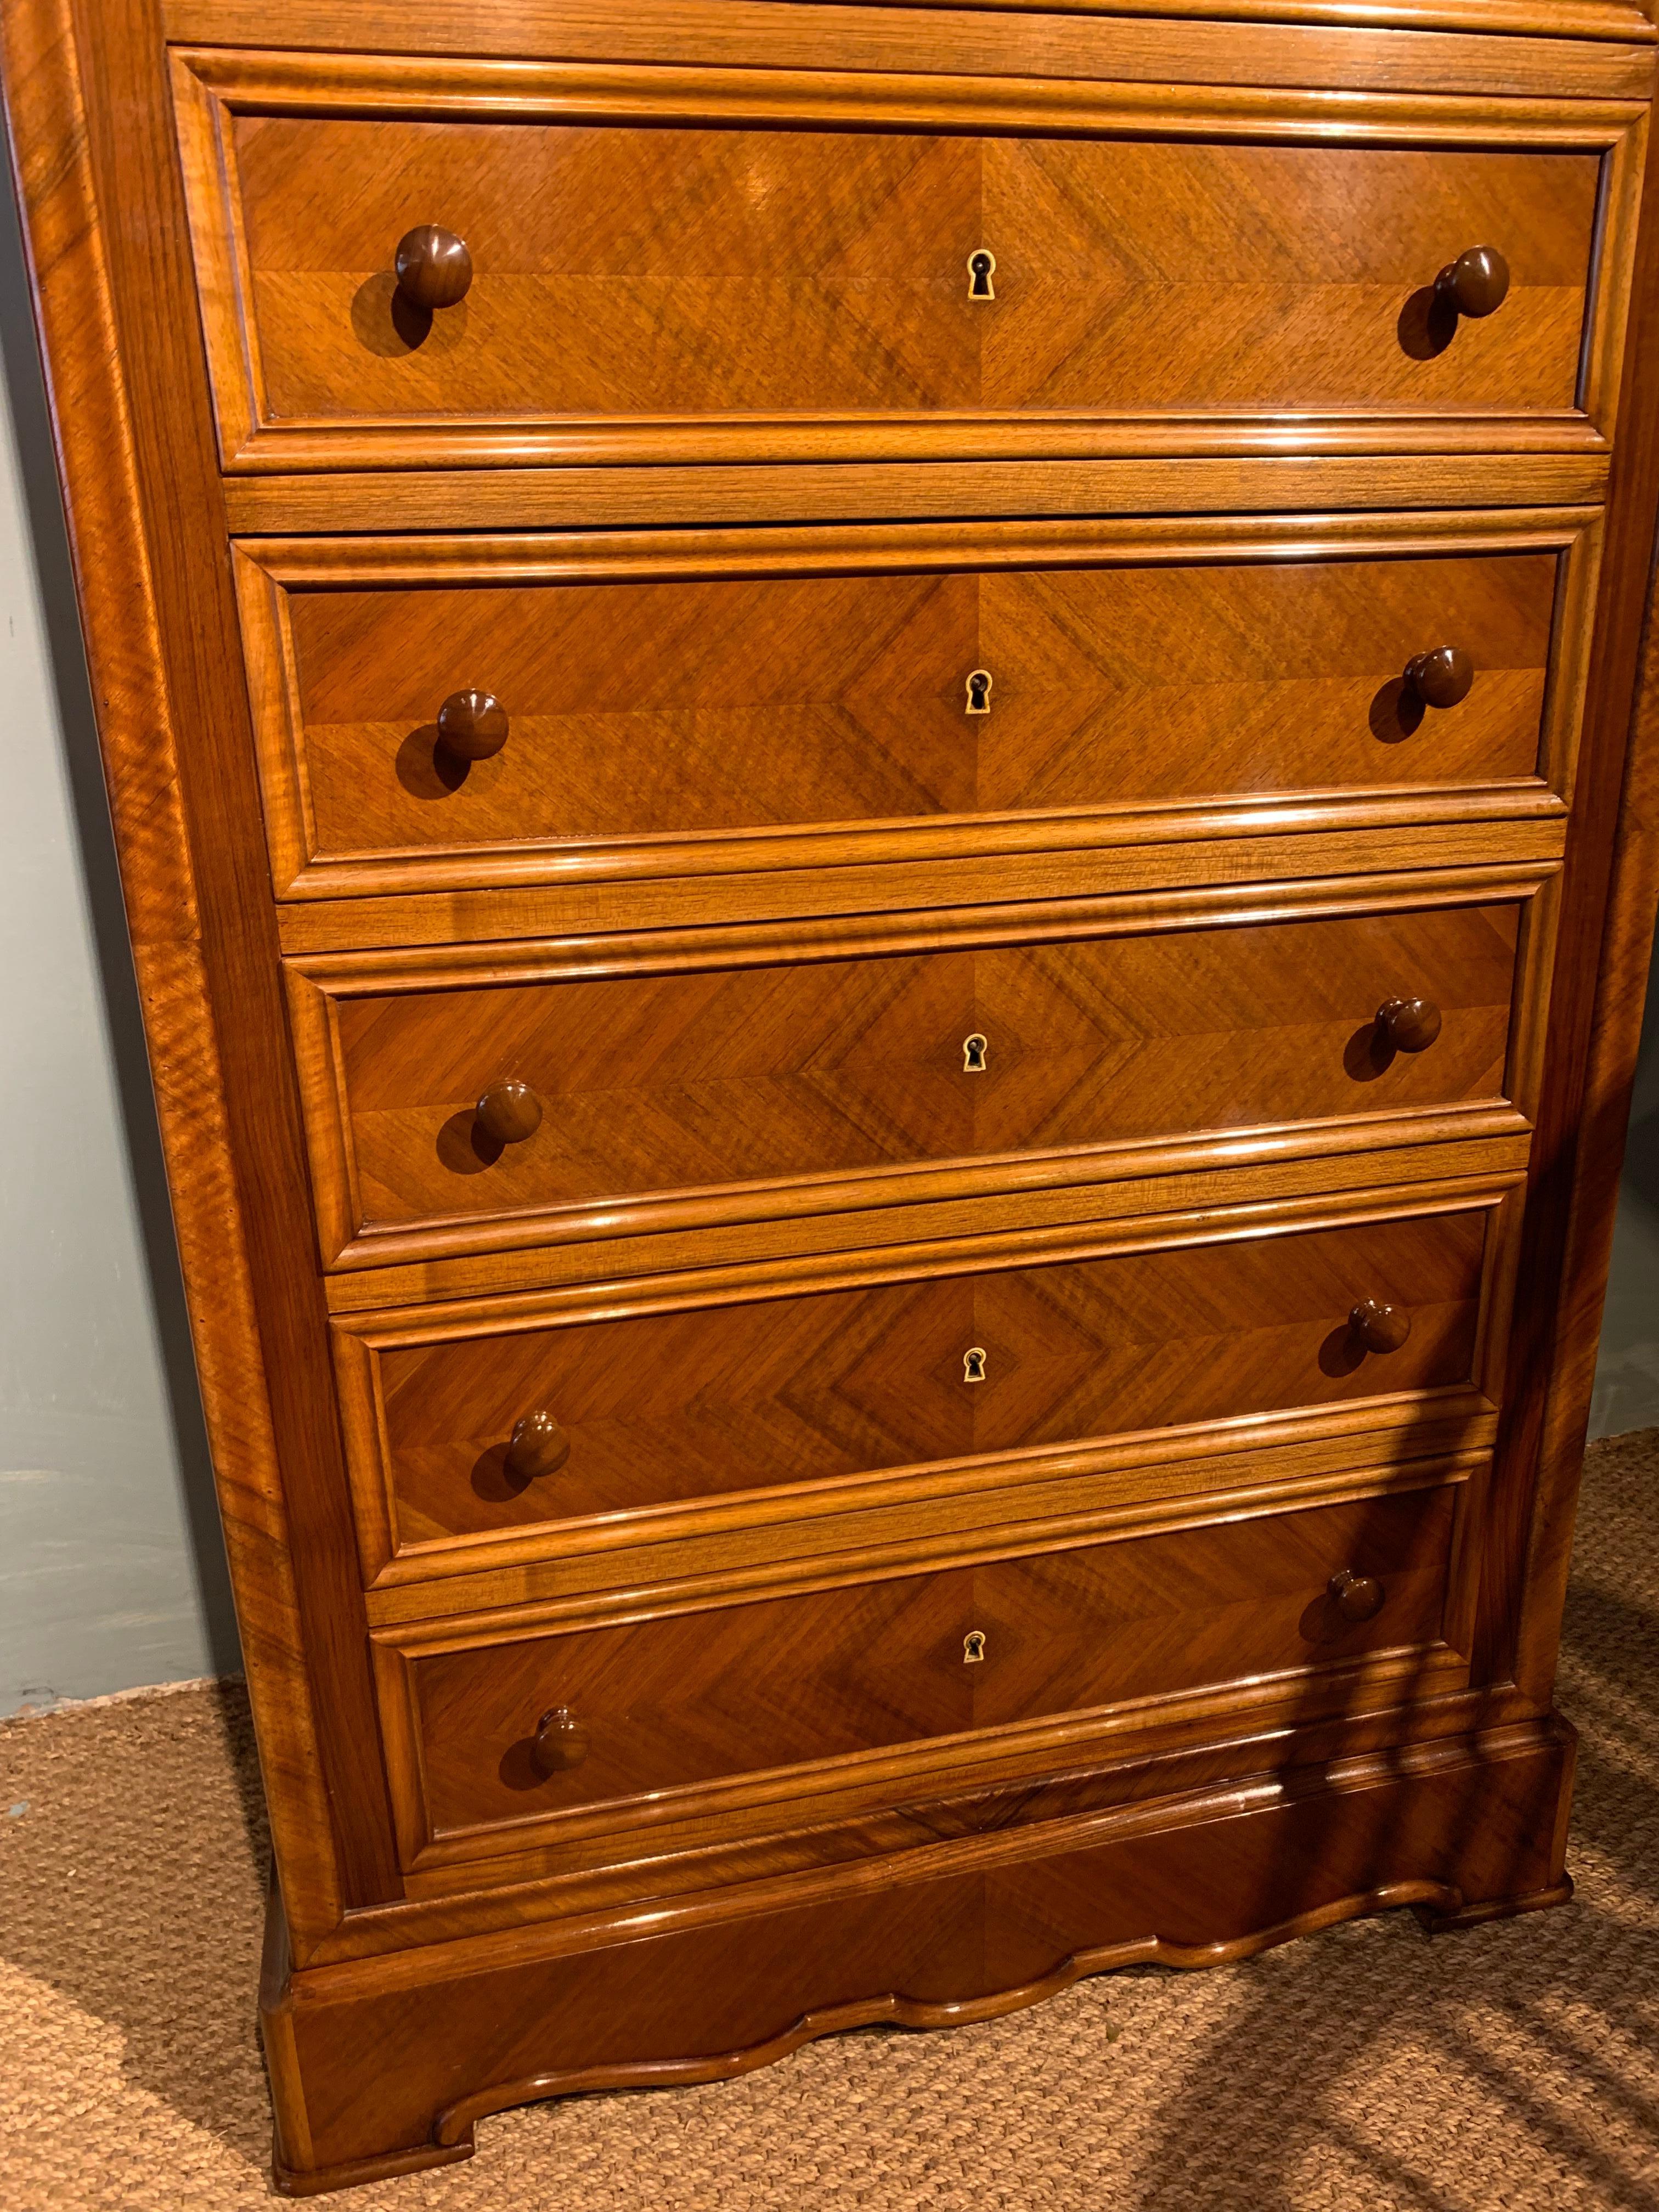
{"x":973,"y":1647}
{"x":982,"y":265}
{"x":973,"y":1364}
{"x":979,"y":691}
{"x":974,"y":1049}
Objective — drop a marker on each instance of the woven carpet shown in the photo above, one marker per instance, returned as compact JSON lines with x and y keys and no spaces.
{"x":1367,"y":2069}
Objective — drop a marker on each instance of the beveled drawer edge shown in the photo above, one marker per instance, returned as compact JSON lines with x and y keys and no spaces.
{"x":1247,"y":869}
{"x":542,"y":557}
{"x":336,"y":892}
{"x":212,"y":83}
{"x":757,"y":1802}
{"x":887,"y":1194}
{"x":1447,"y":44}
{"x":549,"y":1902}
{"x":1224,"y":901}
{"x":1482,"y":1143}
{"x":402,"y":446}
{"x":268,"y":569}
{"x":1227,"y":1218}
{"x":1458,"y":465}
{"x":1051,"y":1499}
{"x":255,"y":79}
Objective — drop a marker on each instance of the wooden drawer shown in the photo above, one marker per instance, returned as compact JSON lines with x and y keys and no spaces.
{"x":707,"y":700}
{"x":737,"y":263}
{"x":674,"y":1087}
{"x":707,"y":1703}
{"x":636,"y":1397}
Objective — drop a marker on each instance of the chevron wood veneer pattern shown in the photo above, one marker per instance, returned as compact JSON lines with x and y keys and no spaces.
{"x":687,"y":706}
{"x":618,"y":365}
{"x":722,"y":1398}
{"x":691,"y":1697}
{"x":686,"y":1081}
{"x":749,"y":270}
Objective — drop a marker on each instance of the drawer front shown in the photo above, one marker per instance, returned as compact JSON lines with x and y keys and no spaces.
{"x":682,"y":711}
{"x":653,"y":1407}
{"x":708,"y":1696}
{"x":704,"y":1081}
{"x":758,"y":245}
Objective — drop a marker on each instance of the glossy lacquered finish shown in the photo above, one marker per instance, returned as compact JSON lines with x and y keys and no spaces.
{"x":471,"y":726}
{"x":474,"y":1097}
{"x":1476,"y":283}
{"x":510,"y":1113}
{"x":891,"y":898}
{"x":946,"y":264}
{"x":697,"y":1699}
{"x":543,"y":1418}
{"x":943,"y":674}
{"x":432,"y":267}
{"x":1441,"y":679}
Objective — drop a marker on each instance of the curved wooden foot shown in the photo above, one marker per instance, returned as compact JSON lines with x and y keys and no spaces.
{"x":317,"y":2180}
{"x":1438,"y":1922}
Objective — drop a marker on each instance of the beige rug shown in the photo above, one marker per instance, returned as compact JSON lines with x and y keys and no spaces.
{"x":1365,"y":2070}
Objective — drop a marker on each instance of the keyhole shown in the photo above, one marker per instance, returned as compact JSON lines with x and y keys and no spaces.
{"x":979,"y":691}
{"x":973,"y":1365}
{"x":974,"y":1049}
{"x":981,"y":263}
{"x":973,"y":1647}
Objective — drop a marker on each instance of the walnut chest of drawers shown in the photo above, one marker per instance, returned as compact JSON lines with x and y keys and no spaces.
{"x":881,"y":780}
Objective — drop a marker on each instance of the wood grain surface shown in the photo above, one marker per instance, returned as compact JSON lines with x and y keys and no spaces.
{"x":653,"y":709}
{"x":686,"y":272}
{"x":1039,"y":42}
{"x":1217,"y":1875}
{"x":1155,"y":466}
{"x":681,"y":1082}
{"x":819,"y":272}
{"x":933,"y":1157}
{"x":712,"y":1398}
{"x":130,"y":410}
{"x":674,"y":1701}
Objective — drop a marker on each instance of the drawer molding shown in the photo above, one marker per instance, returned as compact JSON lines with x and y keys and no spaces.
{"x":763,"y":1804}
{"x":270,"y":572}
{"x":1247,"y":850}
{"x":565,"y":1896}
{"x":783,"y":1275}
{"x":1185,"y":1180}
{"x":946,"y":1513}
{"x":748,"y":1534}
{"x":1052,"y":38}
{"x":1347,"y":466}
{"x":212,"y":87}
{"x":548,"y":1917}
{"x":320,"y":985}
{"x":1314,"y":1686}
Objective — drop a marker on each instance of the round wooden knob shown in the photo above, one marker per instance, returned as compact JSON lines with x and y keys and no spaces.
{"x":435,"y":269}
{"x":509,"y":1112}
{"x":472,"y":725}
{"x":1476,"y":282}
{"x":1443,"y":677}
{"x":1357,"y":1597}
{"x":1409,"y":1025}
{"x":1380,"y":1328}
{"x":561,"y":1742}
{"x":539,"y":1446}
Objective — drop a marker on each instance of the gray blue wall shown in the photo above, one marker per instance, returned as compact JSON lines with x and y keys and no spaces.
{"x":112,"y":1573}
